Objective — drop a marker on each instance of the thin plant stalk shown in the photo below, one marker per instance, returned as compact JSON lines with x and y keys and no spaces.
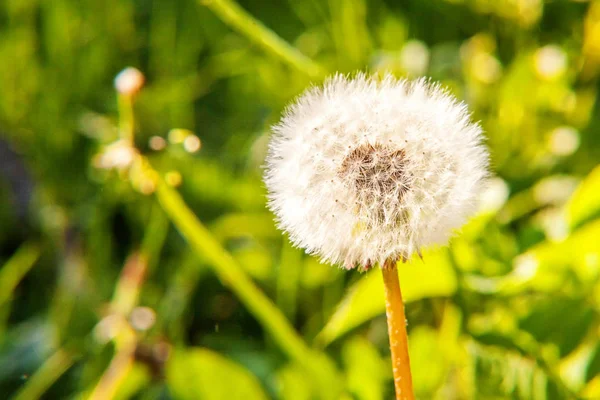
{"x":120,"y":366}
{"x":396,"y":320}
{"x":226,"y":268}
{"x":318,"y":365}
{"x":235,"y":16}
{"x":231,"y":275}
{"x":16,"y":268}
{"x":126,"y":119}
{"x":46,"y":376}
{"x":124,"y":300}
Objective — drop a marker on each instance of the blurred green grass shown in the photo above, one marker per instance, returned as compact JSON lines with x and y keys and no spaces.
{"x":169,"y":280}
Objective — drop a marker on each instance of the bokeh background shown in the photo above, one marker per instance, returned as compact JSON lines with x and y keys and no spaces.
{"x":157,"y":273}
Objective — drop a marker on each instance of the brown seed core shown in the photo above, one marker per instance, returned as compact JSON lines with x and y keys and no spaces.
{"x":376,"y":172}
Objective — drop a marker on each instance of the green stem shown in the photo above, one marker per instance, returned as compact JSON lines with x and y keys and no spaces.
{"x":230,"y":273}
{"x":126,"y":118}
{"x":155,"y":236}
{"x":129,"y":284}
{"x":232,"y":14}
{"x":318,"y":367}
{"x":15,"y":269}
{"x":44,"y":377}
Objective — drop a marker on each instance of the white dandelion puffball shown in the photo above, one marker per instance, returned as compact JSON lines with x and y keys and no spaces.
{"x":364,"y":171}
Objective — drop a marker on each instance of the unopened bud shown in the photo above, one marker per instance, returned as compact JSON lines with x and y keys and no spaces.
{"x":129,"y":81}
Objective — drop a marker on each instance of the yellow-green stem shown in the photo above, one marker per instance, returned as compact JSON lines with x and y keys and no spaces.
{"x":120,"y":366}
{"x":230,"y":273}
{"x":45,"y":376}
{"x":126,"y":118}
{"x":15,"y":269}
{"x":232,"y":14}
{"x":318,"y":367}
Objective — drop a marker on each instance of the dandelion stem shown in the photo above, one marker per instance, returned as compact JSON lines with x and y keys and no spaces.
{"x":397,"y":332}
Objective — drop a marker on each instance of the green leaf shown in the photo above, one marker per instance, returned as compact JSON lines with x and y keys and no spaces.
{"x":585,"y":202}
{"x":136,"y":380}
{"x":366,"y":371}
{"x":433,"y":277}
{"x":202,"y":374}
{"x":501,"y":374}
{"x":314,"y":274}
{"x":547,"y":266}
{"x":293,"y":383}
{"x":235,"y":225}
{"x":593,"y":367}
{"x":428,"y":361}
{"x":254,"y":260}
{"x":561,"y":321}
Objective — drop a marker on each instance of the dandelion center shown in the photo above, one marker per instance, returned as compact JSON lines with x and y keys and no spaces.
{"x":377,"y":173}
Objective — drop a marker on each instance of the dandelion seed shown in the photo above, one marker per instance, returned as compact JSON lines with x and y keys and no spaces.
{"x":398,"y":163}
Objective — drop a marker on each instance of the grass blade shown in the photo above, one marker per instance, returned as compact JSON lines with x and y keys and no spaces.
{"x":235,"y":16}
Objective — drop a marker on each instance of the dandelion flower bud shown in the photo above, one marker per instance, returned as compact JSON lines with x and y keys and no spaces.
{"x":129,"y":81}
{"x":363,"y":171}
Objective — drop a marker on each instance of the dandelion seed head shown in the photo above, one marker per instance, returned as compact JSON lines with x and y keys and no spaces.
{"x":362,"y":170}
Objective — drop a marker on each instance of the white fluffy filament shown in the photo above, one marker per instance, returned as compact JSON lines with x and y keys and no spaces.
{"x":362,"y":171}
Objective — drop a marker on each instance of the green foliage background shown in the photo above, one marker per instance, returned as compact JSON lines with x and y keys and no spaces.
{"x":115,"y":284}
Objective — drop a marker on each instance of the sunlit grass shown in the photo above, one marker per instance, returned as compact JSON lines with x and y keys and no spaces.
{"x":141,"y":275}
